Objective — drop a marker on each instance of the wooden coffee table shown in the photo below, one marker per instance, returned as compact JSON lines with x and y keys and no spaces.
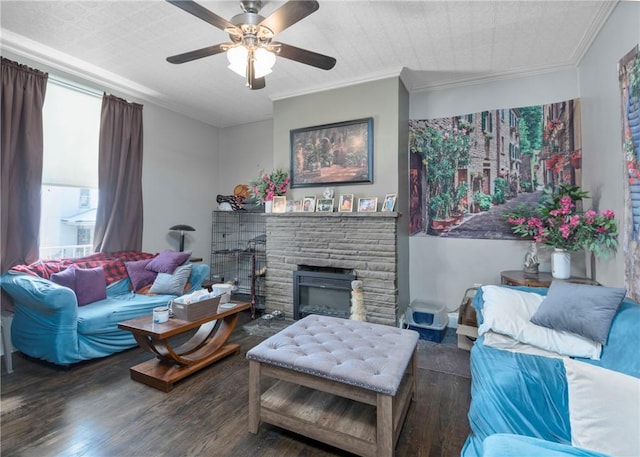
{"x":206,"y":346}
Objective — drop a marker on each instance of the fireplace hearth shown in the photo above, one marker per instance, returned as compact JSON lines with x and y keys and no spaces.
{"x":322,"y":291}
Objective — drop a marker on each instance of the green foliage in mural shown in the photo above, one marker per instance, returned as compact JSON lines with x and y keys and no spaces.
{"x":500,"y":191}
{"x":443,"y":152}
{"x":530,"y":129}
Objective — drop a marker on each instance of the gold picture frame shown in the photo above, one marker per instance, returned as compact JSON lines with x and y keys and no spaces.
{"x":309,"y":204}
{"x":345,"y":204}
{"x":389,"y":203}
{"x":279,"y":204}
{"x":324,"y":205}
{"x":367,"y":204}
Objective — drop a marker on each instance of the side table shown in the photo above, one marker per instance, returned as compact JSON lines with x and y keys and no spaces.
{"x":540,"y":279}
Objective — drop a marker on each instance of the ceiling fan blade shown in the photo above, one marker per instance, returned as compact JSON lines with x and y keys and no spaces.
{"x":197,"y":54}
{"x":202,"y":13}
{"x":307,"y":57}
{"x":288,"y":14}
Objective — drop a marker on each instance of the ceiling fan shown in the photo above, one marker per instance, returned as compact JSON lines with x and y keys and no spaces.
{"x":252,"y":51}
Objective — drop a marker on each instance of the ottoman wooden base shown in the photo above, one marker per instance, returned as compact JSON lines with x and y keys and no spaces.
{"x":352,"y":418}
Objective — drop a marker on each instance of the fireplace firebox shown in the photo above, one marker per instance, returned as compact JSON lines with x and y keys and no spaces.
{"x":325,"y":291}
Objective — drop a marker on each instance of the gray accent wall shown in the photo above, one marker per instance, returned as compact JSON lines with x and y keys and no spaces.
{"x":387,"y":102}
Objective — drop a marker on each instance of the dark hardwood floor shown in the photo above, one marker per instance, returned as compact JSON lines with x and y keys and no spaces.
{"x":95,"y":409}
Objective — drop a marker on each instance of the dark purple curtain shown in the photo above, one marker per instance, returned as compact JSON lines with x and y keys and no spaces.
{"x":119,"y":218}
{"x":23,"y":91}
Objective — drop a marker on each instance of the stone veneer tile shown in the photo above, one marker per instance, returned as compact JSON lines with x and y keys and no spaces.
{"x":366,"y":243}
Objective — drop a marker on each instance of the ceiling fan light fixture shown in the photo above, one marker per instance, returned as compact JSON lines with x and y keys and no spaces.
{"x":265,"y":60}
{"x":238,"y":57}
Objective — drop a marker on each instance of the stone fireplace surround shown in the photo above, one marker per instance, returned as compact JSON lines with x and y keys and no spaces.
{"x":363,"y":242}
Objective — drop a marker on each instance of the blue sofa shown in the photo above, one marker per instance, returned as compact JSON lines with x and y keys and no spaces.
{"x":48,"y":323}
{"x":520,"y":402}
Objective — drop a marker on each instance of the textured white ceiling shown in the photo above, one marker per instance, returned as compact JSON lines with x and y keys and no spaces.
{"x":124,"y":44}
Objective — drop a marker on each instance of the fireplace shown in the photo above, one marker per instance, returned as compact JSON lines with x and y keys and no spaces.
{"x":325,"y":291}
{"x":364,"y":244}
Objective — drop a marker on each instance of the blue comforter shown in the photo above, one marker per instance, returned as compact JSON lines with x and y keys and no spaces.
{"x":521,"y":394}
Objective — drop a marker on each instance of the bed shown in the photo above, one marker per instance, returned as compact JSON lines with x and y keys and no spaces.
{"x":553,"y":396}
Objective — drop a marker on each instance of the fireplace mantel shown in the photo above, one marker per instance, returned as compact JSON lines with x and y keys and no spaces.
{"x":364,"y":242}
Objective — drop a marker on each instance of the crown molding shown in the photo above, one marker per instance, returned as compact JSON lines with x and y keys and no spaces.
{"x":72,"y":66}
{"x":393,"y":73}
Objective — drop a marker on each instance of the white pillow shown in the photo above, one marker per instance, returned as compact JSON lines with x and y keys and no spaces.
{"x":508,"y":311}
{"x":604,"y":409}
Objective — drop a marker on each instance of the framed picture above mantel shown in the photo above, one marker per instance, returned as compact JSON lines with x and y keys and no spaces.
{"x":331,"y":154}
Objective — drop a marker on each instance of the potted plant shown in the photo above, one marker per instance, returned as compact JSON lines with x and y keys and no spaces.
{"x":443,"y":152}
{"x":267,"y":186}
{"x":558,"y":223}
{"x":482,"y":200}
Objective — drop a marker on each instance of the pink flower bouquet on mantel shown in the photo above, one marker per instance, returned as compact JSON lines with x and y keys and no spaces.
{"x":268,"y":186}
{"x":557,"y":223}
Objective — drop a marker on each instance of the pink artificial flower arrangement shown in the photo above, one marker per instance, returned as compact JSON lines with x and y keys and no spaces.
{"x":557,"y":223}
{"x":268,"y":186}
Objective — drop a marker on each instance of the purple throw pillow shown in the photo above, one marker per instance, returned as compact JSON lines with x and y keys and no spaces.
{"x":168,"y":261}
{"x":66,"y":278}
{"x":91,"y":285}
{"x":138,"y":273}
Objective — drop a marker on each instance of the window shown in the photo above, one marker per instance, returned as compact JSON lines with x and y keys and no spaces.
{"x":71,"y":127}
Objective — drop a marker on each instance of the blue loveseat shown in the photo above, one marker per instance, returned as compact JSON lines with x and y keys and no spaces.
{"x":48,"y":323}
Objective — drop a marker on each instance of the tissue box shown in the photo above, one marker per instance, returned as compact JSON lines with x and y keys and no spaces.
{"x":194,"y":311}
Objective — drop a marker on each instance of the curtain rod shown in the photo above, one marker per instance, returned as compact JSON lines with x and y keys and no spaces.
{"x":74,"y":86}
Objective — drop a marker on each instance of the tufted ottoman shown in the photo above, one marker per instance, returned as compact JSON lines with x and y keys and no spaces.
{"x":345,"y":383}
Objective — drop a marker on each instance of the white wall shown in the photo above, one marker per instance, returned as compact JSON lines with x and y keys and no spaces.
{"x":602,"y":153}
{"x":180,"y":180}
{"x":442,"y":269}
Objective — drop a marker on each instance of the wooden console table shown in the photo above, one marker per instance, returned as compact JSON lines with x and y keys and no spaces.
{"x":540,"y":279}
{"x":206,"y":346}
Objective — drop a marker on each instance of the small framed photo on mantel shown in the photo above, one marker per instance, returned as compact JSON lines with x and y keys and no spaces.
{"x":367,"y":204}
{"x":345,"y":204}
{"x":279,"y":204}
{"x":309,"y":204}
{"x":389,"y":202}
{"x":324,"y":205}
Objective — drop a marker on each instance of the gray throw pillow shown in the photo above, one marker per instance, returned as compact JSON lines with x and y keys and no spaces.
{"x":167,"y":284}
{"x":580,"y":309}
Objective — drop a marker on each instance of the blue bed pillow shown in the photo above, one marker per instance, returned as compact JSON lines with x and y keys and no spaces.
{"x":580,"y":309}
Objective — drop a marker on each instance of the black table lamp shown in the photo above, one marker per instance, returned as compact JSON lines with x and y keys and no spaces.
{"x":182,"y":228}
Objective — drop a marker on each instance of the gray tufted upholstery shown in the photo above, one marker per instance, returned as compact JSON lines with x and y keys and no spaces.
{"x":371,"y":356}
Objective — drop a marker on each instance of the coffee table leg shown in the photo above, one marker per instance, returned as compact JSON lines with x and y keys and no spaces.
{"x":254,"y":396}
{"x":384,"y":410}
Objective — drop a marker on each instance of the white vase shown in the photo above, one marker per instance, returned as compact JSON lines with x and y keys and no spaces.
{"x":561,"y":264}
{"x":268,"y":206}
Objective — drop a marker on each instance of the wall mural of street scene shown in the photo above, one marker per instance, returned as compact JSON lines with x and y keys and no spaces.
{"x":468,"y":171}
{"x":629,"y":72}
